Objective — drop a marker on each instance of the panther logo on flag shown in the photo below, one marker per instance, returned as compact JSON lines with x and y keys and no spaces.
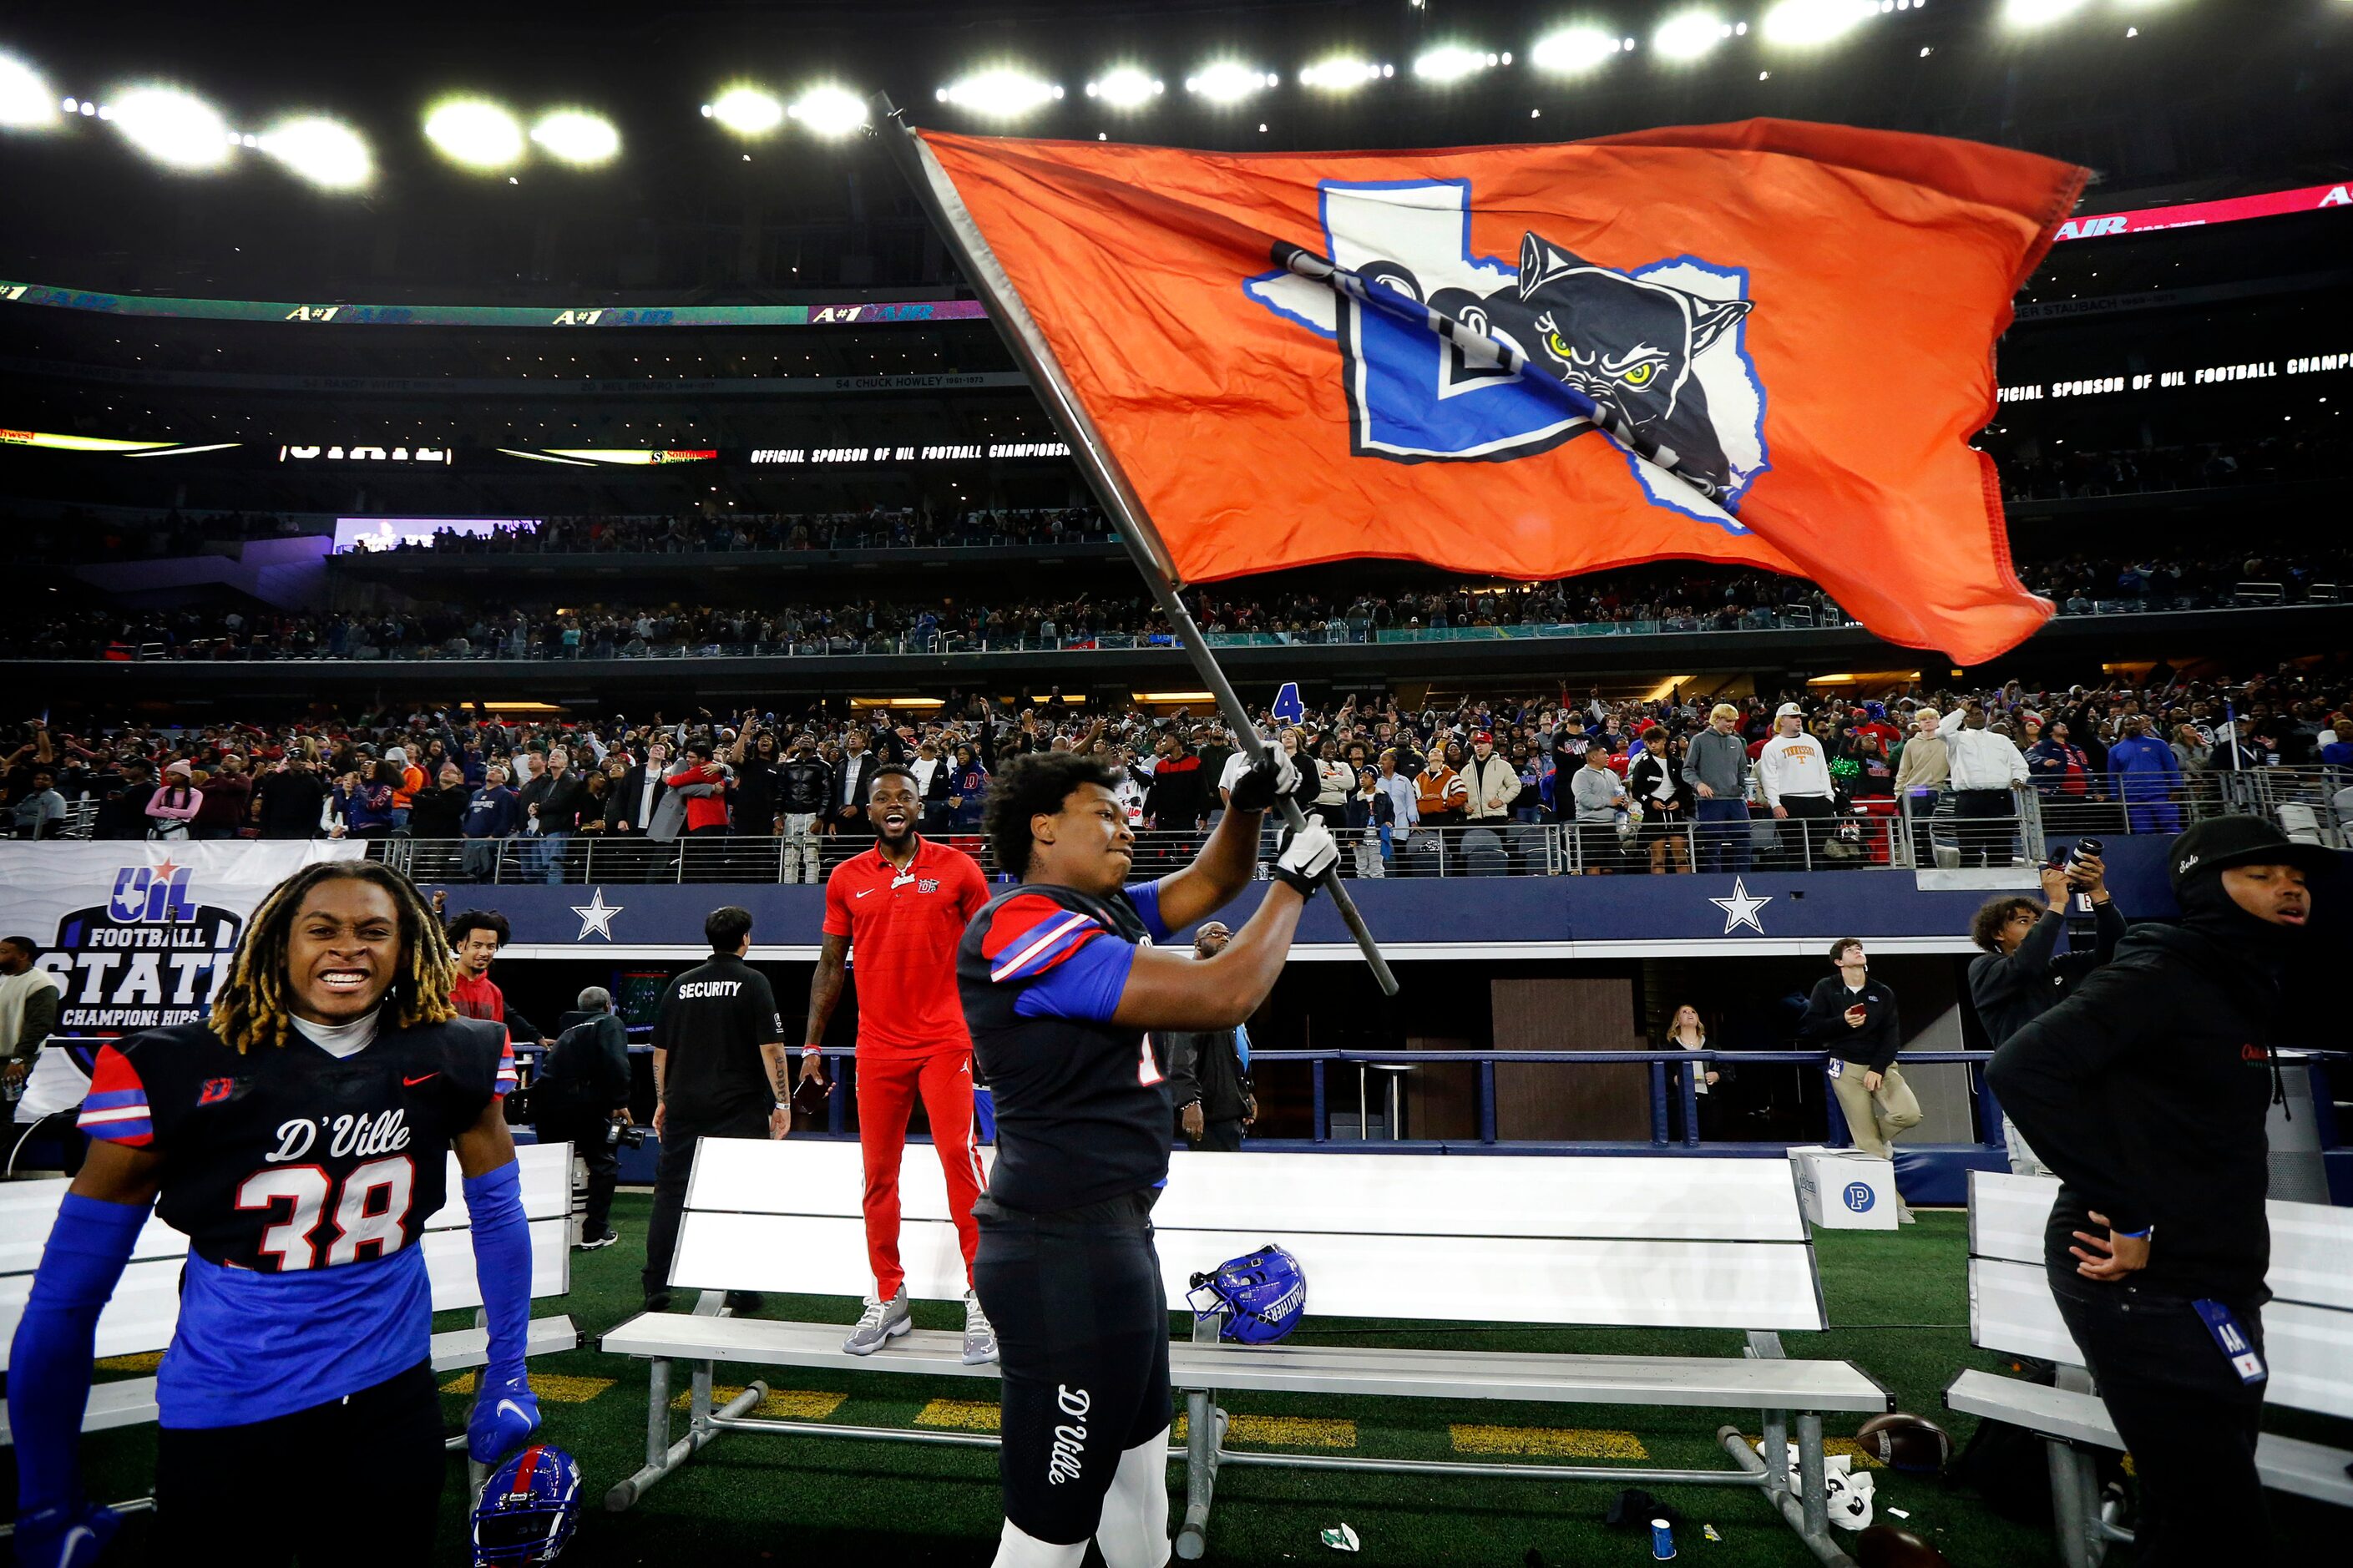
{"x":1652,"y":358}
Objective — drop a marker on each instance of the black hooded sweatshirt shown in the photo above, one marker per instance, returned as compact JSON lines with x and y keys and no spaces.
{"x":2147,"y":1092}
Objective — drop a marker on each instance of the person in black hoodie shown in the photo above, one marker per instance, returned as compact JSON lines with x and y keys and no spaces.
{"x":582,"y":1089}
{"x":2147,"y":1092}
{"x":1854,"y":1018}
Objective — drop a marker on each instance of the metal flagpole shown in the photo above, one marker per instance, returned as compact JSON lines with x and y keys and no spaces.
{"x":963,"y":236}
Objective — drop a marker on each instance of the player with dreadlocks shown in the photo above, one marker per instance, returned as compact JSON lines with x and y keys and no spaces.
{"x":299,"y":1138}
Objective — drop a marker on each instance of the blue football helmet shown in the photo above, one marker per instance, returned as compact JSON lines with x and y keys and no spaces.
{"x":1260,"y":1296}
{"x":529,"y":1508}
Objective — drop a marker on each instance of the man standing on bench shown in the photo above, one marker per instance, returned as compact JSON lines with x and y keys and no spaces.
{"x":899,"y":908}
{"x":1059,"y":982}
{"x":300,"y":1138}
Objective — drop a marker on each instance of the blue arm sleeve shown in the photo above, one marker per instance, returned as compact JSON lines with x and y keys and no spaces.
{"x":1087,"y":985}
{"x":504,"y":1412}
{"x":48,"y":1362}
{"x":1146,"y":897}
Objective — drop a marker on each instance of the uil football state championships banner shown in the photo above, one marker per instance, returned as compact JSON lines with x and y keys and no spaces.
{"x":139,"y":934}
{"x":1767,"y":344}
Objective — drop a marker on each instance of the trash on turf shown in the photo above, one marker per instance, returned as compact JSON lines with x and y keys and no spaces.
{"x":1340,"y":1538}
{"x":1709,"y":1531}
{"x":1899,"y":1512}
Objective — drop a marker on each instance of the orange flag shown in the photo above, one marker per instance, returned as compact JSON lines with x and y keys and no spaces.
{"x":1766,"y":343}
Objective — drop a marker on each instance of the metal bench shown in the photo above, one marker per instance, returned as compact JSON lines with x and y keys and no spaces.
{"x":1693,"y":1244}
{"x":2307,"y":1330}
{"x":141,"y":1315}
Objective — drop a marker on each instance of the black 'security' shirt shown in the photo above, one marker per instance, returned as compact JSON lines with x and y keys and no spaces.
{"x":713,"y":1020}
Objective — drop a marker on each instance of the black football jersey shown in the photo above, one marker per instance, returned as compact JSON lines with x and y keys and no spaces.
{"x":288,"y":1158}
{"x":1082,"y":1109}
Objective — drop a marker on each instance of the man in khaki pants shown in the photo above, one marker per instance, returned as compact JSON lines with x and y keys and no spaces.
{"x":1854,"y":1018}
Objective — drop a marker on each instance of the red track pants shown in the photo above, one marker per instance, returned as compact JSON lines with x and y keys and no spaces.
{"x":887,"y":1087}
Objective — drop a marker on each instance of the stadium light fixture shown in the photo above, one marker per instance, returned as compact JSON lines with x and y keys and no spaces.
{"x":475,"y":134}
{"x":1688,"y":35}
{"x":1453,"y":62}
{"x":1343,"y":73}
{"x":1125,"y":87}
{"x":1803,"y":23}
{"x":1001,"y":92}
{"x":1575,"y":50}
{"x":26,"y":100}
{"x":2039,"y":13}
{"x":576,"y":137}
{"x":1228,"y":81}
{"x":327,"y":153}
{"x":830,"y":110}
{"x":745,"y":110}
{"x":176,"y":129}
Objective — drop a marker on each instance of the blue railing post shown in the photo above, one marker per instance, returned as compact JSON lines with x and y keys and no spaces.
{"x":1836,"y":1134}
{"x":1658,"y":1105}
{"x":1690,"y":1099}
{"x":1322,"y":1128}
{"x":1987,"y":1109}
{"x":1487,"y":1100}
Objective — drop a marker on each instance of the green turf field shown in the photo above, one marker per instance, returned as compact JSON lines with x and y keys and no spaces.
{"x":1899,"y":1299}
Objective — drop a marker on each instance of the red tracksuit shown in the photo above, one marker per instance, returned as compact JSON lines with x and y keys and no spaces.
{"x":903,"y":927}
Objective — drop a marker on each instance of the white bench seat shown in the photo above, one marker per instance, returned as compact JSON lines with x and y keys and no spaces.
{"x":2287,"y":1464}
{"x":2308,"y":1341}
{"x":1715,"y":1381}
{"x":1515,"y":1240}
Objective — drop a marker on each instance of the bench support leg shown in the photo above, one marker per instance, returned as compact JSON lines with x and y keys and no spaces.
{"x":1812,"y":1488}
{"x":1205,"y":1433}
{"x":1794,"y":1512}
{"x":1775,"y":1453}
{"x":662,"y":1455}
{"x":2075,"y":1505}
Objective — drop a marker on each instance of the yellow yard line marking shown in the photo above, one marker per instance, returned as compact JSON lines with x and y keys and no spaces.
{"x":1547,"y":1442}
{"x":970,"y":1414}
{"x":555,"y":1388}
{"x":1280,"y":1431}
{"x":145,"y":1360}
{"x":781,"y":1405}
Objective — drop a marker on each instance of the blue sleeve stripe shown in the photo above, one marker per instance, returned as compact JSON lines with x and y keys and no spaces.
{"x":1146,"y":897}
{"x":1053,"y":938}
{"x":1088,"y":987}
{"x":114,"y":1098}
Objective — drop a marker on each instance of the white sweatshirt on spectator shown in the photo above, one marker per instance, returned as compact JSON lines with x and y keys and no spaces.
{"x":1792,"y":764}
{"x":1982,"y":759}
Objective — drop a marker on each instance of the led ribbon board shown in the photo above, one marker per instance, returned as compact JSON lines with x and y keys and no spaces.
{"x":340,"y":314}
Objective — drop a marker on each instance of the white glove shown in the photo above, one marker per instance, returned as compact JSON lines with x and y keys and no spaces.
{"x":1286,"y":771}
{"x":1306,"y":856}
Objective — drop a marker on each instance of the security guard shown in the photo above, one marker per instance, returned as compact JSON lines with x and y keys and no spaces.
{"x":720,"y":1071}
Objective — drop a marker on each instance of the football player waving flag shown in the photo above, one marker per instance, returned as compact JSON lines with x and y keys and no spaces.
{"x":299,"y":1138}
{"x":1060,"y":984}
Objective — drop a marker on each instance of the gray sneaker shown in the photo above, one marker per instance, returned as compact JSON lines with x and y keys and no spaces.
{"x":980,"y":1338}
{"x":881,"y":1320}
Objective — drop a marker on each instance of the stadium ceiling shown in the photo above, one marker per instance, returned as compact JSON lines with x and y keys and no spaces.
{"x":624,"y":120}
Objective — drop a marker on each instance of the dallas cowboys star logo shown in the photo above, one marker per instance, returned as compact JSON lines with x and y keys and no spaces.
{"x":1740,"y":909}
{"x":595,"y":915}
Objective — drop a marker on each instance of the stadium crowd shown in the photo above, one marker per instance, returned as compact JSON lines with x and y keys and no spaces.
{"x":1670,"y":598}
{"x":1638,"y":769}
